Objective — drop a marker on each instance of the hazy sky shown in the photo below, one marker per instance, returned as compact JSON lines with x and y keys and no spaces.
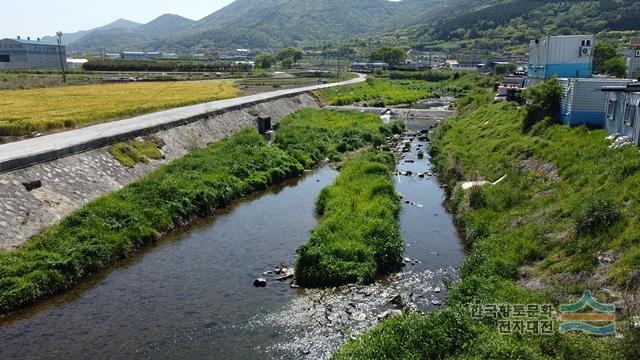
{"x":37,"y":18}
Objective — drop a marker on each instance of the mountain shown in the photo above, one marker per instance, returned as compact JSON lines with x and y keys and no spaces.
{"x":508,"y":25}
{"x":70,"y":38}
{"x":265,"y":24}
{"x":134,"y":38}
{"x":165,"y":25}
{"x":277,"y":23}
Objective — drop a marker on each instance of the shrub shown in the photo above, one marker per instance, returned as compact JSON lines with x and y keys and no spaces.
{"x":595,"y":216}
{"x":543,"y":104}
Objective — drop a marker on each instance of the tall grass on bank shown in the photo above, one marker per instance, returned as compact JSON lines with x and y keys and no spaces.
{"x":567,"y":197}
{"x":42,"y":110}
{"x":114,"y":225}
{"x":358,"y":236}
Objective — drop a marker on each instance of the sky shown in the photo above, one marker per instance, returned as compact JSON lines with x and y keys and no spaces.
{"x":38,"y":18}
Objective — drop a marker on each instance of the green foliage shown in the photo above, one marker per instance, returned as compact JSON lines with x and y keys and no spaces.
{"x":506,"y":69}
{"x":137,"y":151}
{"x":164,"y":66}
{"x":597,"y":215}
{"x":543,"y":104}
{"x":289,"y":56}
{"x":377,"y":92}
{"x":606,"y":60}
{"x":358,"y":236}
{"x":391,"y":55}
{"x":311,"y":135}
{"x":264,"y":60}
{"x":616,"y":66}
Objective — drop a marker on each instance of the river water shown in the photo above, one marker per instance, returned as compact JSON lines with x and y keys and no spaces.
{"x":191,"y":294}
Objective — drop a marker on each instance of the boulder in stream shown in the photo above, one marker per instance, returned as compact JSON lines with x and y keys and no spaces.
{"x":260,"y":282}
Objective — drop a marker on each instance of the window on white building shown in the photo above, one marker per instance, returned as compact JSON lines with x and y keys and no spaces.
{"x":629,"y":115}
{"x":611,"y":109}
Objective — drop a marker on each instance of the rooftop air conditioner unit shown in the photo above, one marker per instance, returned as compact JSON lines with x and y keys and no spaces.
{"x":637,"y":53}
{"x":585,"y":50}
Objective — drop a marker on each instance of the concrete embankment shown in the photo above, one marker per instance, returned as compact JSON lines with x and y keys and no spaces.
{"x":69,"y":182}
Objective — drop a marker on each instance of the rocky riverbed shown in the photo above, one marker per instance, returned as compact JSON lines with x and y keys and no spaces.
{"x":318,"y":321}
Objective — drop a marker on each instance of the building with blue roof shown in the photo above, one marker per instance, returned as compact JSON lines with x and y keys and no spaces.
{"x":27,"y":54}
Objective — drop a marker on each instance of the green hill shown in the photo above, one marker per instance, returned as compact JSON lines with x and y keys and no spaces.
{"x":508,"y":25}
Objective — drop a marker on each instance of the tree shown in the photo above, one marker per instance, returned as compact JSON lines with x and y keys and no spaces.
{"x":287,"y":63}
{"x":264,"y":60}
{"x":290,"y":53}
{"x":506,"y":69}
{"x":606,"y":60}
{"x":543,"y":104}
{"x":616,"y":66}
{"x":391,"y":55}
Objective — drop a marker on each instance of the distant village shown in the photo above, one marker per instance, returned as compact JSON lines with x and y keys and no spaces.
{"x":588,"y":99}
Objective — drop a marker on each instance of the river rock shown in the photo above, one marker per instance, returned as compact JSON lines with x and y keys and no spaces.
{"x":285,"y":274}
{"x":260,"y":282}
{"x":31,"y":185}
{"x":359,"y":316}
{"x":400,"y":300}
{"x":389,"y":313}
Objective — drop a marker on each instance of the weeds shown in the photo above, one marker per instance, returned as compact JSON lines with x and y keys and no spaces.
{"x":358,"y":236}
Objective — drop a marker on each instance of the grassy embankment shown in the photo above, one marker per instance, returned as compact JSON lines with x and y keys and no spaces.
{"x":75,"y":106}
{"x":358,"y":236}
{"x":405,"y":88}
{"x":114,"y":225}
{"x":566,"y":199}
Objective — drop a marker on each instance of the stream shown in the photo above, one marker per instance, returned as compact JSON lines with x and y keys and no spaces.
{"x":191,"y":295}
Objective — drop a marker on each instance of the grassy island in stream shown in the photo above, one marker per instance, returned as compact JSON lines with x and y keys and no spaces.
{"x":111,"y":227}
{"x":358,"y":236}
{"x":567,"y":199}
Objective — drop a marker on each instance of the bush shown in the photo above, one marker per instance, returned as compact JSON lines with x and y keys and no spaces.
{"x":543,"y":104}
{"x":596,"y":216}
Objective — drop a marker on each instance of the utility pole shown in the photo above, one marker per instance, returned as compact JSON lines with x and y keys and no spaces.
{"x":339,"y":55}
{"x":64,"y":75}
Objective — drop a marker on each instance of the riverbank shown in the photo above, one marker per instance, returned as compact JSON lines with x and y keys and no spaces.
{"x":563,"y":221}
{"x":111,"y":227}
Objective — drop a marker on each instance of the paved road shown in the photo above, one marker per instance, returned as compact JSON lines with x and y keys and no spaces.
{"x":23,"y":153}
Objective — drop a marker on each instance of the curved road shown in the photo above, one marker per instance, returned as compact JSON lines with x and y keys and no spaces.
{"x":27,"y":152}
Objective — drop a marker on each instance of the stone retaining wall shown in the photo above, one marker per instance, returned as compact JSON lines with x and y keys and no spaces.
{"x":70,"y":182}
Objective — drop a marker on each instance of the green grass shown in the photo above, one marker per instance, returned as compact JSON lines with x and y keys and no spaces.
{"x":553,"y":221}
{"x":406,"y":88}
{"x":137,"y":151}
{"x":358,"y":236}
{"x":111,"y":227}
{"x":376,"y":92}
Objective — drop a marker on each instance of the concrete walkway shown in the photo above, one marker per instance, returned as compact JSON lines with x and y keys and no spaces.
{"x":27,"y":152}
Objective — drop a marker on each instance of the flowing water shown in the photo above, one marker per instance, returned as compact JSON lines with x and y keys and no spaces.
{"x":191,"y":295}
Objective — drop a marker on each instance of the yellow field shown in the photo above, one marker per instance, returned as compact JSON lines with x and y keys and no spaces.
{"x":45,"y":110}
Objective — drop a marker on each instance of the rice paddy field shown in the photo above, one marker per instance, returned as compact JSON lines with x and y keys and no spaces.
{"x":23,"y":112}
